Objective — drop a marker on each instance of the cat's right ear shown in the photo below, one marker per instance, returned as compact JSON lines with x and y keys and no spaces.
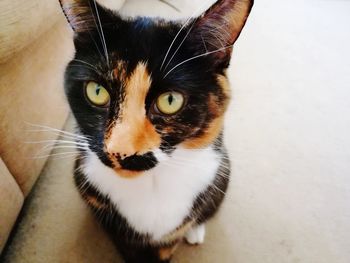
{"x":218,"y":28}
{"x":80,"y":14}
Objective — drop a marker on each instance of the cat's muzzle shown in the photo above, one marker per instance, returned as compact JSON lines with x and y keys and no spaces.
{"x":138,"y":162}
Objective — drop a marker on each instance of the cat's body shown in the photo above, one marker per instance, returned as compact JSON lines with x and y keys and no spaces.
{"x":157,"y":209}
{"x":149,"y":98}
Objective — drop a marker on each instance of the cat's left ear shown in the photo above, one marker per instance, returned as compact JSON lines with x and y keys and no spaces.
{"x":219,"y":27}
{"x":82,"y":15}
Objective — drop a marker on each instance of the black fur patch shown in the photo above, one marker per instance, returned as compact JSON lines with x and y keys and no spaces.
{"x":138,"y":162}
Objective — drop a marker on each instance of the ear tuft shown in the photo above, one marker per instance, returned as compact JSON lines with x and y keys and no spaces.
{"x":220,"y":26}
{"x":79,"y":14}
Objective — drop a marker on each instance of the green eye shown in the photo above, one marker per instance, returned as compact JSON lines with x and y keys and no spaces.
{"x":170,"y":102}
{"x":97,"y":94}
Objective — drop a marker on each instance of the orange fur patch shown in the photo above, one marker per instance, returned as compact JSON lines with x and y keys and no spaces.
{"x":213,"y":106}
{"x":128,"y":174}
{"x":92,"y":200}
{"x":166,"y":253}
{"x":217,"y":110}
{"x":133,"y":133}
{"x":119,"y":71}
{"x":209,"y":135}
{"x":225,"y":86}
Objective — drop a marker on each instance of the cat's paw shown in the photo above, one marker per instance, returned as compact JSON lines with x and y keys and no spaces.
{"x":195,"y":235}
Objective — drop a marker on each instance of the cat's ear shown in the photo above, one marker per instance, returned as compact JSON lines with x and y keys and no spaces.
{"x":219,"y":27}
{"x":82,"y":15}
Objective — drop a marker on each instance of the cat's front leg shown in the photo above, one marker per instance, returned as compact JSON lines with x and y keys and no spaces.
{"x":196,"y":234}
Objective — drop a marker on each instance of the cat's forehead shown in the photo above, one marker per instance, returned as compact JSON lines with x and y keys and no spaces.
{"x":147,"y":36}
{"x":141,"y":37}
{"x":160,"y":24}
{"x":197,"y":45}
{"x":142,"y":40}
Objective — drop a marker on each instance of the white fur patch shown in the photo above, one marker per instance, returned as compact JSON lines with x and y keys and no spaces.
{"x":157,"y":202}
{"x":196,"y":235}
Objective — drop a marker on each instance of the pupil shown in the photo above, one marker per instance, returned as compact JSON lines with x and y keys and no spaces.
{"x":170,"y":99}
{"x":98,"y":91}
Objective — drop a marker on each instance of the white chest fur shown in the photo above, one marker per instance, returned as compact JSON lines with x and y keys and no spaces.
{"x":158,"y":201}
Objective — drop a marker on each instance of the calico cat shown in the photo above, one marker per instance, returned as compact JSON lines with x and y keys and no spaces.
{"x":149,"y":97}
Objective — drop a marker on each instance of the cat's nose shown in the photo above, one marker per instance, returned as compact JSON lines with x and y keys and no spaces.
{"x":120,"y":156}
{"x":137,"y":162}
{"x":132,"y":136}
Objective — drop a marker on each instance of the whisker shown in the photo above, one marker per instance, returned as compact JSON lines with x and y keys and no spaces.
{"x":217,"y":188}
{"x":82,"y":66}
{"x":195,"y":57}
{"x":103,"y":37}
{"x":81,"y":77}
{"x":53,"y":145}
{"x":218,"y":39}
{"x":86,"y":63}
{"x":47,"y":129}
{"x":54,"y":154}
{"x":188,"y":161}
{"x":62,"y":137}
{"x":68,"y":147}
{"x":93,"y":39}
{"x":205,"y":46}
{"x":57,"y":141}
{"x":170,"y":4}
{"x":188,"y":32}
{"x":178,"y":33}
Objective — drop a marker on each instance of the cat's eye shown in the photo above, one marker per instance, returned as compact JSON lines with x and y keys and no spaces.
{"x":97,"y":94}
{"x":170,"y":102}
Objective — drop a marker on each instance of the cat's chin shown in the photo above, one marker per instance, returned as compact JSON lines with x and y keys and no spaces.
{"x":131,"y":167}
{"x":125,"y":173}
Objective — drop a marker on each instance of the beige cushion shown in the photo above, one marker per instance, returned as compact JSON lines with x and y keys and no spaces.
{"x":31,"y":88}
{"x":11,"y":202}
{"x":31,"y":68}
{"x":21,"y":22}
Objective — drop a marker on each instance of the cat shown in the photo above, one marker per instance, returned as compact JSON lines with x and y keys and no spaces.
{"x":149,"y":97}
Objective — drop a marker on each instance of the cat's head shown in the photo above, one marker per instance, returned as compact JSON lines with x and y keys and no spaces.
{"x":142,"y":86}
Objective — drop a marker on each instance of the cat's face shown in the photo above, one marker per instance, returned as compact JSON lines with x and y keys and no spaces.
{"x":142,"y":87}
